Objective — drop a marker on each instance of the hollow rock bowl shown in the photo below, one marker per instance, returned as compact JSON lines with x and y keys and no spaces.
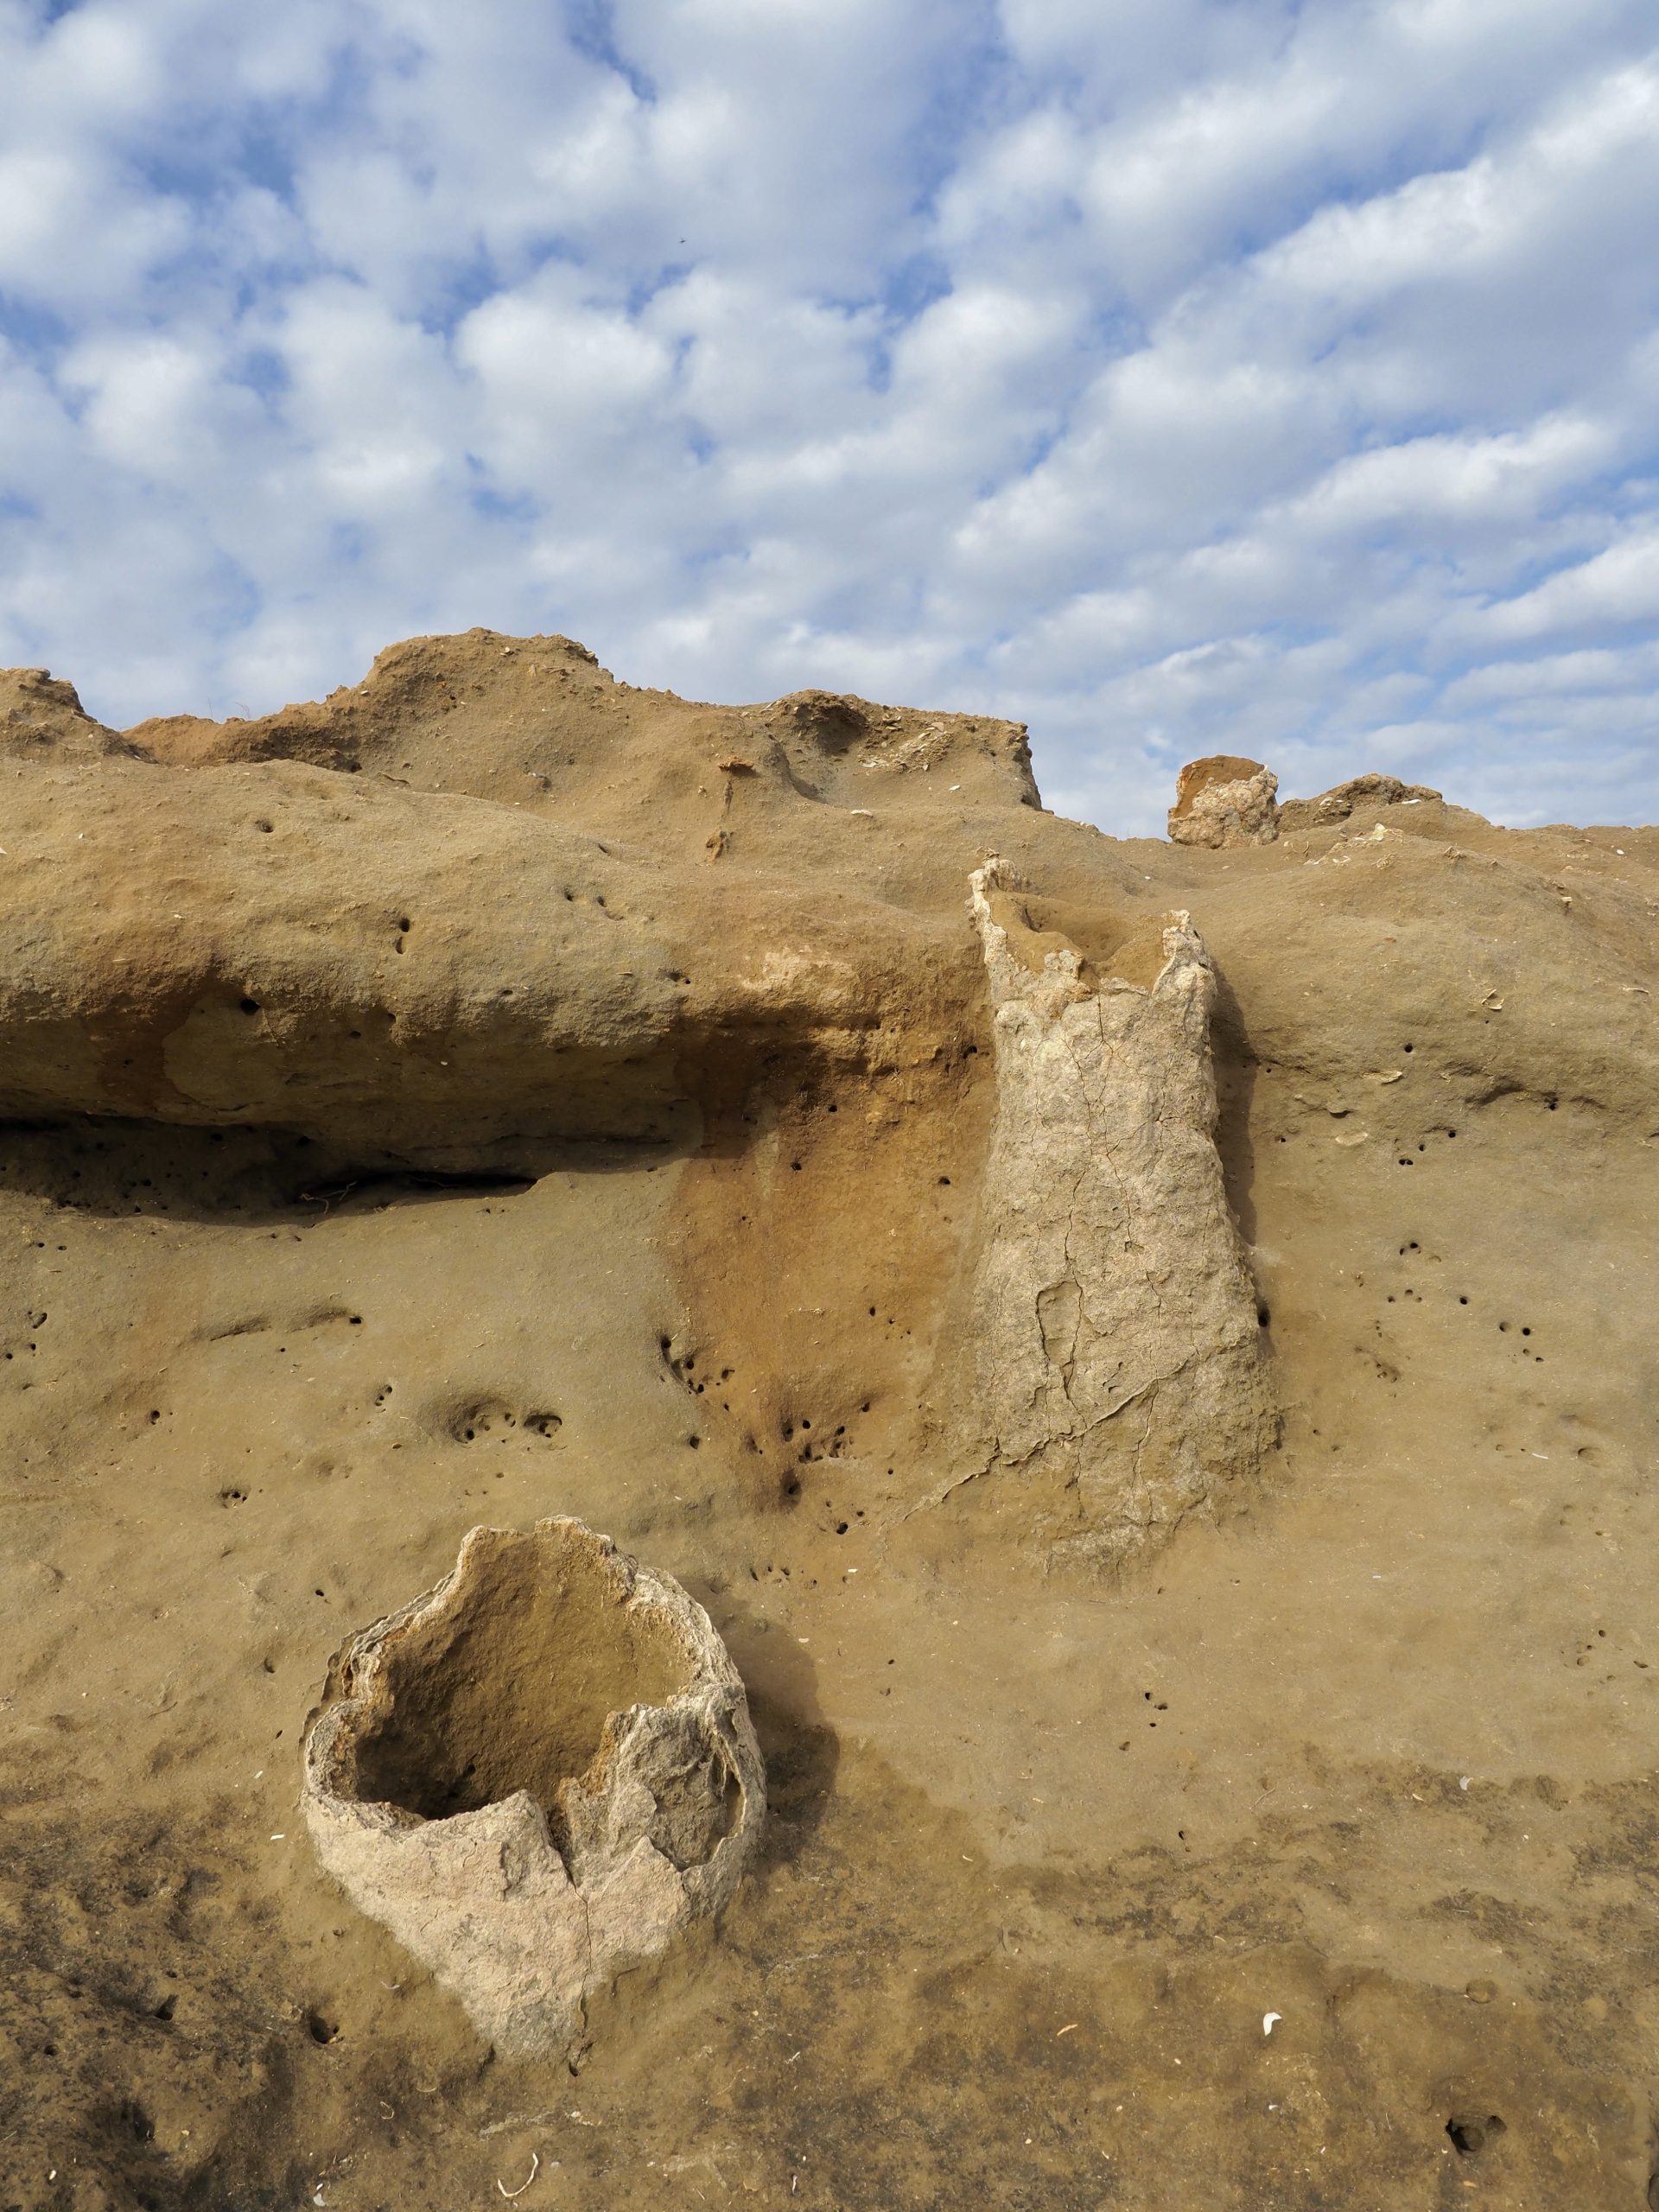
{"x":535,"y":1774}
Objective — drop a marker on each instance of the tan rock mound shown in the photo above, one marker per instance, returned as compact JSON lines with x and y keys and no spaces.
{"x":515,"y":720}
{"x":535,"y":1775}
{"x":1344,"y":799}
{"x":42,"y":718}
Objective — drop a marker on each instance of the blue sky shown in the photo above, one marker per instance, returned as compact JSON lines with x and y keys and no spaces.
{"x":1272,"y":376}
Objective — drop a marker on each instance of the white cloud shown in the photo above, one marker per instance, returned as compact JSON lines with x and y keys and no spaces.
{"x":1230,"y":373}
{"x":1452,"y":480}
{"x":1617,"y":588}
{"x":1538,"y":683}
{"x":558,"y":372}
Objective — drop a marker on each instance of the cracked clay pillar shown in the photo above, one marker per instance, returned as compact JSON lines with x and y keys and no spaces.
{"x":1111,"y":1355}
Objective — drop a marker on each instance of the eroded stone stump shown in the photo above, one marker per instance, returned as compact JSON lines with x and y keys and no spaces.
{"x":535,"y":1774}
{"x":1111,"y":1347}
{"x":1224,"y":800}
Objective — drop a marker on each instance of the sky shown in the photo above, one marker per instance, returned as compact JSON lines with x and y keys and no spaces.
{"x":1277,"y":377}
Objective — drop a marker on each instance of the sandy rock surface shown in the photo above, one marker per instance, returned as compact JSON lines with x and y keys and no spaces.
{"x":496,"y":1093}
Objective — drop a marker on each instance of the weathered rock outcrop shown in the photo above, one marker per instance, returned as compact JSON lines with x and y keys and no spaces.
{"x":512,"y":720}
{"x":535,"y":1775}
{"x":1224,"y":800}
{"x":1112,"y":1344}
{"x":404,"y":974}
{"x":41,"y":717}
{"x":491,"y":902}
{"x":1340,"y":802}
{"x":302,"y":1273}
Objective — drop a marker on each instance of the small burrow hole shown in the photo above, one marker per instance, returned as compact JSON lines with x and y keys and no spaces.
{"x":1472,"y":2132}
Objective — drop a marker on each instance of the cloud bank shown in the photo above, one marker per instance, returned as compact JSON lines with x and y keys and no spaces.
{"x":1225,"y":374}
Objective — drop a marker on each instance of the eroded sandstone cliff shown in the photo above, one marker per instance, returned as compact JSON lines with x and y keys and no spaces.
{"x":498,"y":1092}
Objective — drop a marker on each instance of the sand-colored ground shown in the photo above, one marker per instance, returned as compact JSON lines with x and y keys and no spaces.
{"x":1307,"y":1860}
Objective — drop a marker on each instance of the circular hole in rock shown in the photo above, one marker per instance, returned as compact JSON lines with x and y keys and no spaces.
{"x":509,"y":1685}
{"x":1472,"y":2132}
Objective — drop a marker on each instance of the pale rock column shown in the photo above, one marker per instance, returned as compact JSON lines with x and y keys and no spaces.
{"x":1224,"y":800}
{"x":1111,"y":1351}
